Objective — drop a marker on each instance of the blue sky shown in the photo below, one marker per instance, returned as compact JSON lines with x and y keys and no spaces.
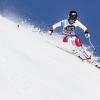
{"x":47,"y":12}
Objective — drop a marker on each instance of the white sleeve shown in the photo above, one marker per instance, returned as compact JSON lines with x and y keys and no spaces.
{"x":56,"y":25}
{"x":79,"y":24}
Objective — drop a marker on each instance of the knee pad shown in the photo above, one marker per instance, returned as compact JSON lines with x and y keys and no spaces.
{"x":65,"y":39}
{"x":77,"y":42}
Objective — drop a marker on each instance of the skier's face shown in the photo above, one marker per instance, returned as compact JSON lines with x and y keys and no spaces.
{"x":71,"y":21}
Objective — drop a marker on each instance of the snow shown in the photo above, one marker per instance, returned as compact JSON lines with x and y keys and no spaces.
{"x":31,"y":68}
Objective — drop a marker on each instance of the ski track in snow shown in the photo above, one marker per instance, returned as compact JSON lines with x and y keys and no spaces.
{"x":33,"y":69}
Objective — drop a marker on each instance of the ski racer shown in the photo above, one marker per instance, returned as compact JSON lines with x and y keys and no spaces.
{"x":69,"y":25}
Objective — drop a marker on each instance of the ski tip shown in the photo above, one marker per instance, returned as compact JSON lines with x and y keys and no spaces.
{"x":97,"y":66}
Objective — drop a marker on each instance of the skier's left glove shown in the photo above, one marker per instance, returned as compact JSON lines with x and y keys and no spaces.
{"x":87,"y":34}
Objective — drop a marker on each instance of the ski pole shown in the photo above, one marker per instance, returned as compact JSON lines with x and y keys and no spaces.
{"x":91,"y":44}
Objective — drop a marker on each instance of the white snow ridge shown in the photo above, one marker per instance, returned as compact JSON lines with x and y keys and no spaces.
{"x":33,"y":69}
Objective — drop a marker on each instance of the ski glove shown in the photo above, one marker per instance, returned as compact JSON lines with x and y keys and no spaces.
{"x":51,"y":31}
{"x":87,"y":34}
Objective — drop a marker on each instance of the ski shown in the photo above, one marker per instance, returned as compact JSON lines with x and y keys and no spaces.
{"x":76,"y":53}
{"x":94,"y":63}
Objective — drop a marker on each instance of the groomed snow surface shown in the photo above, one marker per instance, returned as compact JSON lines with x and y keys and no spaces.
{"x":33,"y":69}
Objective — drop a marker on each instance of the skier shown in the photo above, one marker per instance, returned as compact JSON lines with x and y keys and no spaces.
{"x":69,"y":26}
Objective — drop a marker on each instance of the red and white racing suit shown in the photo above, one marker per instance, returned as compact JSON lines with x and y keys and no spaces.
{"x":69,"y":31}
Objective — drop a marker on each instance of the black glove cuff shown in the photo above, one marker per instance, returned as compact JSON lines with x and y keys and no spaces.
{"x":51,"y":29}
{"x":86,"y":32}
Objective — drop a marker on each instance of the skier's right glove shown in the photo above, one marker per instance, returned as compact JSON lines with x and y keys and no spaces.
{"x":51,"y":31}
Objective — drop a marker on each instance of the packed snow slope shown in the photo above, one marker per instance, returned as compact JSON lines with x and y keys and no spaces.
{"x":33,"y":69}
